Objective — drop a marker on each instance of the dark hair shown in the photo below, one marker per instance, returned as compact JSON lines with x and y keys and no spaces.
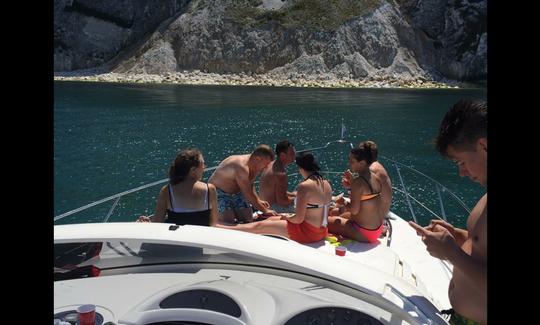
{"x":366,"y":150}
{"x":263,"y":150}
{"x":283,"y":146}
{"x":306,"y":160}
{"x":185,"y":160}
{"x":462,"y":125}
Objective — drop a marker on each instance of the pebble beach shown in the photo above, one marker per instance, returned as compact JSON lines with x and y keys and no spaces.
{"x":197,"y":77}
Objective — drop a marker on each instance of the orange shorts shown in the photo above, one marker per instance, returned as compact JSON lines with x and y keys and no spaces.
{"x":305,"y":232}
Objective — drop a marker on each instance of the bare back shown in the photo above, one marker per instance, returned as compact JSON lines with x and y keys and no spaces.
{"x":463,"y":298}
{"x":368,"y":213}
{"x":386,"y":186}
{"x":188,"y":196}
{"x":317,"y":192}
{"x":229,"y":171}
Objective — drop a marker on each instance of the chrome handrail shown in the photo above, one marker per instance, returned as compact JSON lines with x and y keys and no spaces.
{"x":406,"y":193}
{"x":445,"y":189}
{"x":408,"y":196}
{"x":118,"y":195}
{"x":326,"y":145}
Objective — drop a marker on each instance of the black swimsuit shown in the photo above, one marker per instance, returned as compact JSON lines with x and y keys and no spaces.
{"x":197,"y":218}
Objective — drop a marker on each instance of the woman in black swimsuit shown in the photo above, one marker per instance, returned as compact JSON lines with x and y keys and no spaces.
{"x":186,"y":200}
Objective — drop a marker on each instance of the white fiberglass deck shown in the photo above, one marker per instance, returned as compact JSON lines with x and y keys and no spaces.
{"x":411,"y":260}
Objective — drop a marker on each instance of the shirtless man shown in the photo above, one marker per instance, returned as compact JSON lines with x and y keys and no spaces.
{"x":274,"y":180}
{"x":463,"y":138}
{"x":234,"y":178}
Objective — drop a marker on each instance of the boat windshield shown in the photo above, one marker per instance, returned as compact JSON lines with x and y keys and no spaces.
{"x":85,"y":259}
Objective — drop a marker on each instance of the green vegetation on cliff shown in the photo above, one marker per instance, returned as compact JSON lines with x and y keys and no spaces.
{"x":323,"y":15}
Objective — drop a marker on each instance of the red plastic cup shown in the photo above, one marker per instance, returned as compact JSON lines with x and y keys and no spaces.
{"x":87,"y":314}
{"x":341,"y":250}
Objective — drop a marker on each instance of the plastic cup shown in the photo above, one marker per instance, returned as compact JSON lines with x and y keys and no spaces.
{"x":341,"y":250}
{"x":87,"y":314}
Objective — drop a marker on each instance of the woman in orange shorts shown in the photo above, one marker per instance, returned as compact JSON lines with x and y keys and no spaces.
{"x":313,"y":197}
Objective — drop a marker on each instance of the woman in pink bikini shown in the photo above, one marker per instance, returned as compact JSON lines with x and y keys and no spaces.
{"x":369,"y":198}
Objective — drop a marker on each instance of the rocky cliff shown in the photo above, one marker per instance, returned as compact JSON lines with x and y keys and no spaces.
{"x":359,"y":39}
{"x":89,"y":33}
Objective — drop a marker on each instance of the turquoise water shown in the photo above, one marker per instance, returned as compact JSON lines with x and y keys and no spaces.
{"x":109,"y":138}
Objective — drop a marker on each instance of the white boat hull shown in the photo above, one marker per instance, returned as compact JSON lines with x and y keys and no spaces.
{"x":392,"y":285}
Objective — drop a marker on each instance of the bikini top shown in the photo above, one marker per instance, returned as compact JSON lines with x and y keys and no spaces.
{"x":183,"y":216}
{"x":325,"y":206}
{"x":326,"y":209}
{"x":367,"y":197}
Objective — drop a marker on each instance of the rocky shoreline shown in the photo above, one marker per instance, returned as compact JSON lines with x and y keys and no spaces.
{"x":300,"y":80}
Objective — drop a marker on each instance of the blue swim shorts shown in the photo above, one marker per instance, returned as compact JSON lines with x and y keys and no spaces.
{"x":227,"y":201}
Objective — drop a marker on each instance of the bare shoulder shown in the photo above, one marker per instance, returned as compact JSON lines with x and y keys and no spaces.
{"x":164,"y":190}
{"x":211,"y":187}
{"x":477,"y":229}
{"x":484,"y":199}
{"x":200,"y":185}
{"x":480,"y":206}
{"x":212,"y":190}
{"x":241,"y":161}
{"x":379,"y":177}
{"x":378,"y":169}
{"x":478,"y":215}
{"x":328,"y":185}
{"x":233,"y":160}
{"x":241,"y":169}
{"x":227,"y":160}
{"x":383,"y":175}
{"x":163,"y":193}
{"x":303,"y":187}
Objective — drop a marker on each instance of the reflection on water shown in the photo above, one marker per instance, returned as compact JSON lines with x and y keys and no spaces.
{"x":112,"y":137}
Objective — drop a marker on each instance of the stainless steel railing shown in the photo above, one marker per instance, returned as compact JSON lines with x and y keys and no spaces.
{"x":403,"y":188}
